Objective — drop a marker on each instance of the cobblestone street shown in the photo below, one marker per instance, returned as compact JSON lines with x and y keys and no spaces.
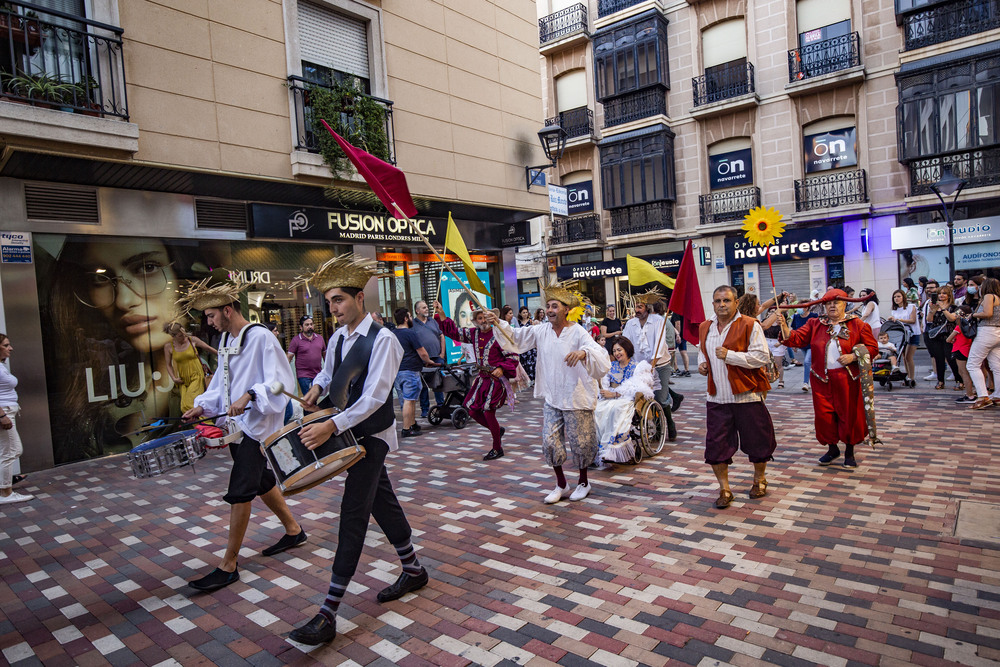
{"x":831,"y":568}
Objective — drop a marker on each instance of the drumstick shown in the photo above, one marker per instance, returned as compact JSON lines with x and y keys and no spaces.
{"x":278,"y":388}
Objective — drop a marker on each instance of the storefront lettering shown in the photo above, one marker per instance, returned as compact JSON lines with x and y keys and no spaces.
{"x":753,"y":252}
{"x":118,"y":384}
{"x":252,"y":277}
{"x":376,"y":225}
{"x":590,"y":272}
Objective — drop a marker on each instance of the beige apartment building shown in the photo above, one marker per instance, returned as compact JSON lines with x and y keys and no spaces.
{"x":148,"y":142}
{"x":845,"y":115}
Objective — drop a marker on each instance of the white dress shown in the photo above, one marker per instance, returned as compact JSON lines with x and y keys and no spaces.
{"x":613,"y":416}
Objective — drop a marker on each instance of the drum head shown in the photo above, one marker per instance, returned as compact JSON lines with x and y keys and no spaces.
{"x":332,"y":465}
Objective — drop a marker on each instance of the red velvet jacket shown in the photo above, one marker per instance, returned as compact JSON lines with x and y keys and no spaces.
{"x":815,"y":333}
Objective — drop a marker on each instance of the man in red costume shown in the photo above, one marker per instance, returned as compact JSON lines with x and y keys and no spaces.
{"x":836,"y":375}
{"x":491,"y":385}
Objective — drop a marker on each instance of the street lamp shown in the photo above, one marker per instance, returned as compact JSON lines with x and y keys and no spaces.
{"x":553,"y":140}
{"x":949,"y":185}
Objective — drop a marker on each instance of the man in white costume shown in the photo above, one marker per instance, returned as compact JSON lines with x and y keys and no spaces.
{"x":250,"y":361}
{"x":647,"y":333}
{"x":569,"y":367}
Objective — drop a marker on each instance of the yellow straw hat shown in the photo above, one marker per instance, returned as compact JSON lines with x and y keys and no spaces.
{"x":341,"y":271}
{"x":212,"y":292}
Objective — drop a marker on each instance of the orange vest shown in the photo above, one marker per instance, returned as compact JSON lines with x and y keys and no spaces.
{"x":738,"y":340}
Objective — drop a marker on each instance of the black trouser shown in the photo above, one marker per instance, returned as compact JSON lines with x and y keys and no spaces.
{"x":367,"y":493}
{"x":665,"y":397}
{"x":940,"y":351}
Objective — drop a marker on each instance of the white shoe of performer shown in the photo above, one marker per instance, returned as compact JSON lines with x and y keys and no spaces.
{"x":559,"y":493}
{"x":581,"y":492}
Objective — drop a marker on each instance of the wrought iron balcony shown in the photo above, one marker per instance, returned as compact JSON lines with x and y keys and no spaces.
{"x":576,"y":229}
{"x":723,"y":83}
{"x":640,"y":218}
{"x":635,"y":106}
{"x":568,"y":21}
{"x":577,"y":122}
{"x":950,"y":21}
{"x":605,"y":7}
{"x":305,"y":132}
{"x":840,"y":188}
{"x":830,"y":55}
{"x":979,"y":168}
{"x":56,"y":60}
{"x":728,"y":205}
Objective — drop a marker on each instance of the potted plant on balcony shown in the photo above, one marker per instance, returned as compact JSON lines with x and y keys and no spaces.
{"x":353,"y":115}
{"x":41,"y":90}
{"x":17,"y":29}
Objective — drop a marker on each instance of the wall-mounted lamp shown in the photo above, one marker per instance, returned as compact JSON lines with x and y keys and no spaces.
{"x":864,"y":239}
{"x":553,"y":140}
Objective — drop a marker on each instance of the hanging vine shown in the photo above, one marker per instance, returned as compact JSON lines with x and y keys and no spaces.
{"x":353,"y":115}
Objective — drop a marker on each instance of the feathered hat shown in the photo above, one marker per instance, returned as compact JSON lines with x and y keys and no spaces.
{"x":341,"y":271}
{"x":831,"y":295}
{"x":215,"y":291}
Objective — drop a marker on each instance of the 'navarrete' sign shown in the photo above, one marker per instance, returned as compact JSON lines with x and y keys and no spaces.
{"x":317,"y":224}
{"x":800,"y":243}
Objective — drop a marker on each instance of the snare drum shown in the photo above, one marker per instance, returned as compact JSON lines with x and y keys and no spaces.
{"x":297,"y":468}
{"x":165,"y":454}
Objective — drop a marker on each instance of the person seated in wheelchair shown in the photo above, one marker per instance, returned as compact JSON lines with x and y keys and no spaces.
{"x":619,"y":389}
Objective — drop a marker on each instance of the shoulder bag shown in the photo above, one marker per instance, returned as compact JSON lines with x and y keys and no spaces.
{"x":969,"y":326}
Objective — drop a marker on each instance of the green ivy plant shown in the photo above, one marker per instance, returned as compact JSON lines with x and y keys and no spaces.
{"x":353,"y":115}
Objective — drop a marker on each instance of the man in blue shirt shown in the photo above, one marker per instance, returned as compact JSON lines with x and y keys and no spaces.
{"x":433,"y":341}
{"x":408,"y":383}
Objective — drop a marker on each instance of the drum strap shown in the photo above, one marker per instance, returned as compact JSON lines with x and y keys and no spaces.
{"x":225,"y":351}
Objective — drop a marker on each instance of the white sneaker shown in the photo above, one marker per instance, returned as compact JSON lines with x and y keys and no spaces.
{"x":932,"y":376}
{"x":951,"y":376}
{"x":805,"y":388}
{"x":557,"y":494}
{"x":15,"y":497}
{"x":581,"y":492}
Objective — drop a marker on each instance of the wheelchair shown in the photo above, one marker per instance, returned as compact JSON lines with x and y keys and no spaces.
{"x":649,"y":428}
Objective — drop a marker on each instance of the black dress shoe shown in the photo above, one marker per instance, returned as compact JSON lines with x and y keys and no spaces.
{"x":493,"y":454}
{"x":317,"y":631}
{"x":676,"y":405}
{"x":17,"y":479}
{"x":285,"y":543}
{"x":215,"y":580}
{"x":403,"y":585}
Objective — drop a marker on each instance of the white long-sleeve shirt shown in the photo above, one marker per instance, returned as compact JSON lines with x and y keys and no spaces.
{"x":563,"y":387}
{"x":644,"y":338}
{"x":382,"y":368}
{"x":756,"y":356}
{"x":260,"y":363}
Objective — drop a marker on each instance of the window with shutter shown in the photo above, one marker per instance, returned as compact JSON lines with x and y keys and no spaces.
{"x":333,"y":46}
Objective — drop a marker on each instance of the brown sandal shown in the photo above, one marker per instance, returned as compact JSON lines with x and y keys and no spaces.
{"x":981,"y":403}
{"x":759,"y":489}
{"x":724,"y":500}
{"x":939,"y":385}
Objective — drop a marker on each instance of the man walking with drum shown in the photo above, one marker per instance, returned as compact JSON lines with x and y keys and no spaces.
{"x":360,"y":367}
{"x":250,"y":360}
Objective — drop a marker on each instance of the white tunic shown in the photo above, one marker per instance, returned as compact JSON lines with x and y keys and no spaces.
{"x":382,"y":368}
{"x":561,"y":386}
{"x":644,"y":338}
{"x":260,"y":363}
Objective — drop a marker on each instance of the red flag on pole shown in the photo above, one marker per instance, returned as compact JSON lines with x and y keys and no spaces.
{"x":686,"y":299}
{"x":387,"y":182}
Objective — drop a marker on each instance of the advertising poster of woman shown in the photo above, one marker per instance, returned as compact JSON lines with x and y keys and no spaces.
{"x":459,"y":307}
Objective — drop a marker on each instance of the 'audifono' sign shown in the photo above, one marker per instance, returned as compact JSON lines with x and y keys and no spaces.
{"x":727,"y":170}
{"x":831,"y":150}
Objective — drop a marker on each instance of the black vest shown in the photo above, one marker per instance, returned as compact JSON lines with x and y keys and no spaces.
{"x":348,"y":383}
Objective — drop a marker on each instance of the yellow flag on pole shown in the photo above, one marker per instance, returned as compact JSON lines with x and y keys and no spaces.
{"x":641,"y":272}
{"x":453,"y":241}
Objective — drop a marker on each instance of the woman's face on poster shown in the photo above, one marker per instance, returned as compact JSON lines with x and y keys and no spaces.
{"x":132,"y":285}
{"x":464,"y":314}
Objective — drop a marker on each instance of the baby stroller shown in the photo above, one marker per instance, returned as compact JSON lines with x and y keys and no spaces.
{"x":882,"y":371}
{"x":454,"y":382}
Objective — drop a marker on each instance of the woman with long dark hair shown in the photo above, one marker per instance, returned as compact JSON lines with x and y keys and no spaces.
{"x":986,"y":345}
{"x":906,"y":314}
{"x":940,"y":318}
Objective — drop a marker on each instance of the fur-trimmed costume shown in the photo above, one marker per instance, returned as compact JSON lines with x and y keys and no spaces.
{"x":613,"y":416}
{"x":487,"y":392}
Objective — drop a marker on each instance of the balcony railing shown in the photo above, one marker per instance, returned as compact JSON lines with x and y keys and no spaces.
{"x":979,"y":168}
{"x":635,"y":106}
{"x":605,"y":7}
{"x":723,"y":83}
{"x":840,"y":188}
{"x":830,"y":55}
{"x":565,"y":22}
{"x":305,"y":133}
{"x":728,"y":205}
{"x":56,"y":60}
{"x":950,"y":21}
{"x":576,"y":229}
{"x":577,"y":122}
{"x":640,"y":218}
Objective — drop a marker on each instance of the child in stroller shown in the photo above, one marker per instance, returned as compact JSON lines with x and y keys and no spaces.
{"x":893,"y":338}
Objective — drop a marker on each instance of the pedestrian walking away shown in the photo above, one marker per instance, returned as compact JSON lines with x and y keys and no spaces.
{"x":570,"y":362}
{"x":360,"y":367}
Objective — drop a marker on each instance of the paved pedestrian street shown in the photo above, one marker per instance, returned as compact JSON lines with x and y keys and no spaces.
{"x":831,"y":568}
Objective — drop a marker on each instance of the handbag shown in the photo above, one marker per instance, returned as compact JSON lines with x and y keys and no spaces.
{"x":940,"y":330}
{"x":968,"y":326}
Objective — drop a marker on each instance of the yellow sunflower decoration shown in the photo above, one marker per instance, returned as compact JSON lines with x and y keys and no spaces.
{"x":763,"y":226}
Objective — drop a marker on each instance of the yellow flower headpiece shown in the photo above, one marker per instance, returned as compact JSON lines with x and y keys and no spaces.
{"x":763,"y":226}
{"x":566,"y":293}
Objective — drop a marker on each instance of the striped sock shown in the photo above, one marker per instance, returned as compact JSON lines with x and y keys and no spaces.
{"x":338,"y":586}
{"x":408,"y":557}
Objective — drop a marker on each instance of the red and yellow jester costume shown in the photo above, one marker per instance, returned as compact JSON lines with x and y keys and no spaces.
{"x":837,"y":393}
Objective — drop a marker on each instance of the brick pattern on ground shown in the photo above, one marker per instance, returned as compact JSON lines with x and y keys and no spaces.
{"x":831,"y":568}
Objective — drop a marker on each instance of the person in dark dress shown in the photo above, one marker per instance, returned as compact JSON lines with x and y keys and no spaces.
{"x":611,"y":327}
